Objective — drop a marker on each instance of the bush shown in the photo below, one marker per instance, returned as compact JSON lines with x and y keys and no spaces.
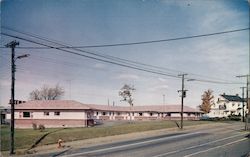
{"x":34,"y":126}
{"x":234,"y":117}
{"x":41,"y":127}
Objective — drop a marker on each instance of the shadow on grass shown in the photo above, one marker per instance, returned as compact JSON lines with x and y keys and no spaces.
{"x":42,"y":137}
{"x":177,"y":124}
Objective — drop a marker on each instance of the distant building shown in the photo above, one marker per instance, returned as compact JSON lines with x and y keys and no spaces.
{"x":3,"y":114}
{"x":68,"y":113}
{"x":226,"y":105}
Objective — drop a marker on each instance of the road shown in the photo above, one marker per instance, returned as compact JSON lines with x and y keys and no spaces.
{"x":229,"y":141}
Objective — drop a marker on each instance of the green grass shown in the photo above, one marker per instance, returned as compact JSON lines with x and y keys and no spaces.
{"x":25,"y":138}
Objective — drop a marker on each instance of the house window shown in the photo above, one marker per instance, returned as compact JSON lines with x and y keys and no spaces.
{"x":97,"y":113}
{"x":103,"y":113}
{"x":133,"y":114}
{"x":26,"y":114}
{"x":118,"y":113}
{"x":57,"y":113}
{"x":140,"y":114}
{"x":232,"y":104}
{"x":46,"y":113}
{"x":151,"y":114}
{"x":110,"y":113}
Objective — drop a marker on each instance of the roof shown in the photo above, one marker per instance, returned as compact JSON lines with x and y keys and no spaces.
{"x":232,"y":98}
{"x":52,"y":104}
{"x":74,"y":105}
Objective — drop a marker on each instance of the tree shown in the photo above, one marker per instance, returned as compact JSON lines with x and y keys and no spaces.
{"x":47,"y":93}
{"x":207,"y":101}
{"x":126,"y":93}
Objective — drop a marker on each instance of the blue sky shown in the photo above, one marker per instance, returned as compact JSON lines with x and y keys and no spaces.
{"x":93,"y":22}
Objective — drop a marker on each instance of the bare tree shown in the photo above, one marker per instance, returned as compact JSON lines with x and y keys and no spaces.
{"x":207,"y":101}
{"x":35,"y":95}
{"x":126,"y":93}
{"x":47,"y":93}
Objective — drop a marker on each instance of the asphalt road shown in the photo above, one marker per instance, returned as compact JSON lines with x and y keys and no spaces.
{"x":229,"y":141}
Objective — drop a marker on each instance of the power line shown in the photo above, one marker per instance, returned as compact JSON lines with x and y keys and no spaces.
{"x":106,"y":56}
{"x":111,"y":62}
{"x":91,"y":53}
{"x":215,"y":82}
{"x":140,"y":42}
{"x":94,"y":58}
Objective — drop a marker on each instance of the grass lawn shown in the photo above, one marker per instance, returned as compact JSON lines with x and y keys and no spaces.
{"x":25,"y":138}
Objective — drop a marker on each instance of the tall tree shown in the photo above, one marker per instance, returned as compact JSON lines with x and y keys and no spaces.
{"x":207,"y":101}
{"x":47,"y":93}
{"x":126,"y":93}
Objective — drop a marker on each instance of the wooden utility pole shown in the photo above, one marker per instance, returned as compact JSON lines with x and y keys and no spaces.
{"x":12,"y":45}
{"x":243,"y":103}
{"x":247,"y":94}
{"x":183,"y":95}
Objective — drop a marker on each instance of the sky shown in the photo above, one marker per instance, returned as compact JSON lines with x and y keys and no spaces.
{"x":97,"y":22}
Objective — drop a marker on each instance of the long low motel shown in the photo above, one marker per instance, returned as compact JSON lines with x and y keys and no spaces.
{"x":69,"y":113}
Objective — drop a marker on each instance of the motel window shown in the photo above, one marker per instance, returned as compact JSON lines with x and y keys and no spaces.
{"x":140,"y":114}
{"x":133,"y":114}
{"x":151,"y":114}
{"x":46,"y":113}
{"x":103,"y":113}
{"x":97,"y":113}
{"x":118,"y":113}
{"x":110,"y":113}
{"x":57,"y":113}
{"x":26,"y":114}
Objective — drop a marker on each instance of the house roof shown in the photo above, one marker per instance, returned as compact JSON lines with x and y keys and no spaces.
{"x":74,"y":105}
{"x":52,"y":104}
{"x":232,"y":98}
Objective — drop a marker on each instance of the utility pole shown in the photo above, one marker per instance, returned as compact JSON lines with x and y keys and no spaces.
{"x":183,"y":94}
{"x":247,"y":96}
{"x":243,"y":103}
{"x":247,"y":91}
{"x":12,"y":45}
{"x":163,"y":99}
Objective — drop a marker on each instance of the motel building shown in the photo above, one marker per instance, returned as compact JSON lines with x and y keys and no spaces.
{"x":69,"y":113}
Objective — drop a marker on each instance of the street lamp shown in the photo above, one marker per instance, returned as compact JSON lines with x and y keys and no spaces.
{"x":22,"y":56}
{"x":12,"y":45}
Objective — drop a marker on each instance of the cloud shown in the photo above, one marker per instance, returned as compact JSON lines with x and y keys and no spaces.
{"x":162,"y":79}
{"x":127,"y":77}
{"x":99,"y":66}
{"x":158,"y":88}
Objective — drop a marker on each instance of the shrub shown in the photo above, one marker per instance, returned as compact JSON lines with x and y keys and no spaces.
{"x":234,"y":117}
{"x":34,"y":126}
{"x":41,"y":127}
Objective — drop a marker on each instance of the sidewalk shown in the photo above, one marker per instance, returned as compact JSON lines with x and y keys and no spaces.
{"x":110,"y":139}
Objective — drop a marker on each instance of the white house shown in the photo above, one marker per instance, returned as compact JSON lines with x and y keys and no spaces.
{"x":226,"y":105}
{"x":68,"y":113}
